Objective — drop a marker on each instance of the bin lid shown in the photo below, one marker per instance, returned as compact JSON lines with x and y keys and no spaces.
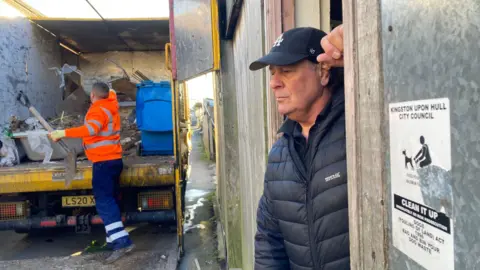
{"x":151,"y":84}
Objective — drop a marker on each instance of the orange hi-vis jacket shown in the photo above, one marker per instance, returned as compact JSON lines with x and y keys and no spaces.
{"x":101,"y":131}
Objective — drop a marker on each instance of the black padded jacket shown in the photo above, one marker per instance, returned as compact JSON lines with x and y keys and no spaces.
{"x":302,"y":217}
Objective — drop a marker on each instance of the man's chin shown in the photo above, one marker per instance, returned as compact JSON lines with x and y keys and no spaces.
{"x":284,"y":111}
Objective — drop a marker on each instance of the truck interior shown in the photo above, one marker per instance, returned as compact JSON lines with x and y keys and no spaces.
{"x":153,"y":185}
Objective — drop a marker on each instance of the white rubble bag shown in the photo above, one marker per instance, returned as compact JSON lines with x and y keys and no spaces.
{"x":8,"y":152}
{"x":41,"y":144}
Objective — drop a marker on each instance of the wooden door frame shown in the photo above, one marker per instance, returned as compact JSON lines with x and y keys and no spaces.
{"x":366,"y":138}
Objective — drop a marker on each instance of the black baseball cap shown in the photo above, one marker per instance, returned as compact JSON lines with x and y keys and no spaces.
{"x":291,"y":47}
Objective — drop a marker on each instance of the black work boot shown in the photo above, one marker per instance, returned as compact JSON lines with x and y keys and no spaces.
{"x":117,"y":254}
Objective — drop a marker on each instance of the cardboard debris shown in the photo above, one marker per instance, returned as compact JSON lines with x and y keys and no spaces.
{"x":77,"y":102}
{"x":141,"y":76}
{"x":126,"y":87}
{"x":129,"y":134}
{"x":72,"y":83}
{"x":65,"y":70}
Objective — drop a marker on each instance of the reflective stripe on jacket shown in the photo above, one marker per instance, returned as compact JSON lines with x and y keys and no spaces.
{"x":101,"y":130}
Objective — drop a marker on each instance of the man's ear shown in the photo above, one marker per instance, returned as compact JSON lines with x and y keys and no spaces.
{"x":325,"y":74}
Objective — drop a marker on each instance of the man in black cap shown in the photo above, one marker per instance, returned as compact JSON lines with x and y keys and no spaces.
{"x":302,"y":217}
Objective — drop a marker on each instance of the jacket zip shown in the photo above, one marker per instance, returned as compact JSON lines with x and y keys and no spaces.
{"x":309,"y":220}
{"x":315,"y":146}
{"x":307,"y":176}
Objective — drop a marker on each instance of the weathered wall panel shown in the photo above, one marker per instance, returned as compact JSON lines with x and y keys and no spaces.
{"x":26,"y":54}
{"x":307,"y":13}
{"x":273,"y":29}
{"x":279,"y":16}
{"x":229,"y":184}
{"x":193,"y":37}
{"x":248,"y":46}
{"x":241,"y":139}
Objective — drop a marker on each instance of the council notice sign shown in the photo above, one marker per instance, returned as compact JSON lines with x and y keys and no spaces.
{"x":422,"y":199}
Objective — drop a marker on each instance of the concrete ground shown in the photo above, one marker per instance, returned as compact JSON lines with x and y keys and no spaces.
{"x":156,"y":246}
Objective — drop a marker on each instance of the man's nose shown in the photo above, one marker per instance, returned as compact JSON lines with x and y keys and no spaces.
{"x":275,"y":82}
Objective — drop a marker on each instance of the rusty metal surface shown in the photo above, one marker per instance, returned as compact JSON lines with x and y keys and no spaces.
{"x":193,"y":37}
{"x":431,"y":50}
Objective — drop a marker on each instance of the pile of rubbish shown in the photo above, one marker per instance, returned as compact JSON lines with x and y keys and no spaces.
{"x":70,"y":113}
{"x":27,"y":138}
{"x":65,"y":121}
{"x":130,"y":139}
{"x":39,"y":142}
{"x":129,"y":134}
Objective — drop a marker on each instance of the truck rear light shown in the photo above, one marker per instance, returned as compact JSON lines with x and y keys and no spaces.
{"x":156,"y":200}
{"x":12,"y":210}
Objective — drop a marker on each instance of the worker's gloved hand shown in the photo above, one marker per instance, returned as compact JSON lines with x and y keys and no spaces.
{"x":56,"y":135}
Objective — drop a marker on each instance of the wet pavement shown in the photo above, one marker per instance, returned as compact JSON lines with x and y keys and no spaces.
{"x":200,"y":227}
{"x":156,"y":245}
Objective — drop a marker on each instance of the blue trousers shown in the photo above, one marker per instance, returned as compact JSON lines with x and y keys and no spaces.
{"x":105,"y":182}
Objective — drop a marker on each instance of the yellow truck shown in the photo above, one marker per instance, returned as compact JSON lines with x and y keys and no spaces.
{"x":33,"y":195}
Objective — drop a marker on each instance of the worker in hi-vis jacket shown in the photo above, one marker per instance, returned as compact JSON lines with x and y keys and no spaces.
{"x":101,"y":141}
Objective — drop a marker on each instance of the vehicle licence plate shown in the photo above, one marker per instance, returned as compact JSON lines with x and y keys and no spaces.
{"x":78,"y":201}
